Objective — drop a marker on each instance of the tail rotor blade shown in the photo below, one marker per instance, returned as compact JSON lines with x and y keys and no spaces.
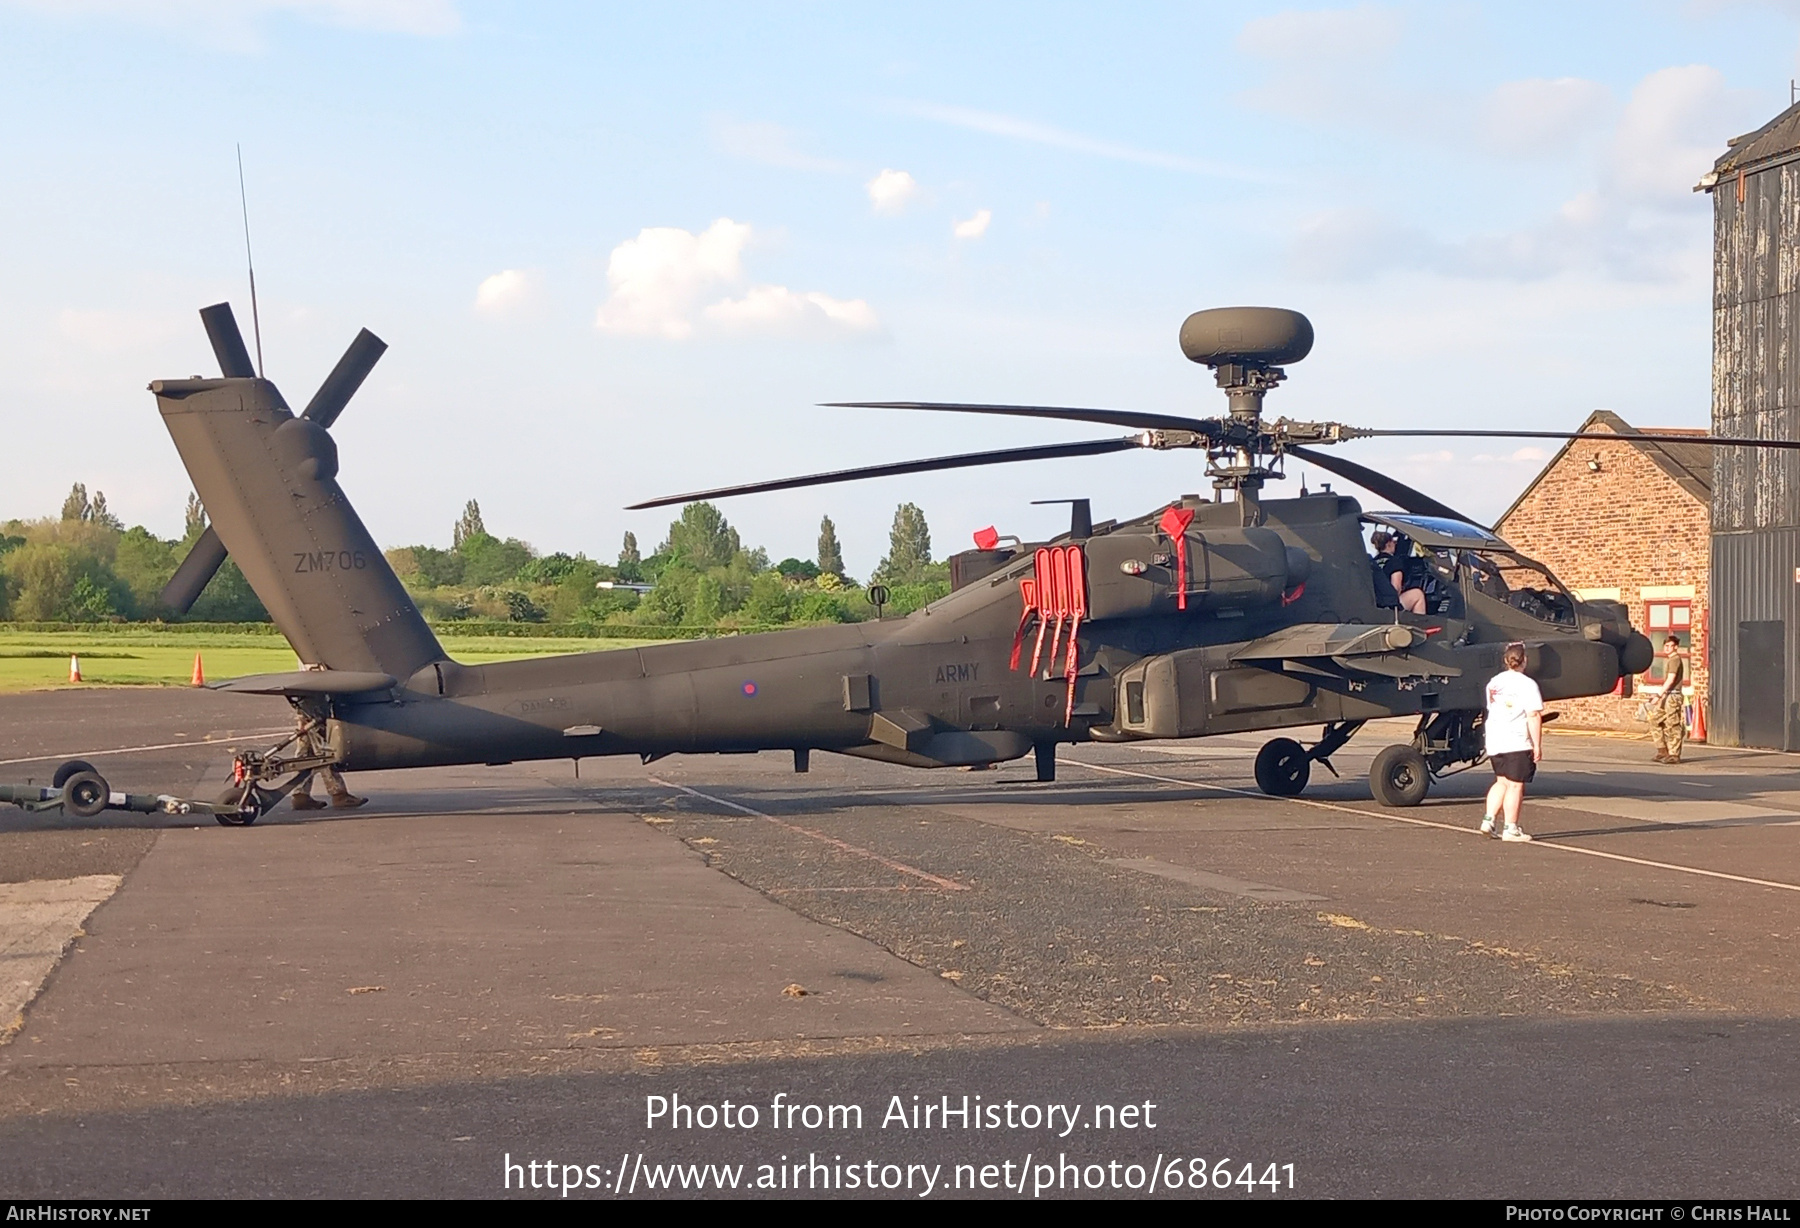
{"x":208,"y":553}
{"x":345,"y":378}
{"x":227,"y":342}
{"x":194,"y":574}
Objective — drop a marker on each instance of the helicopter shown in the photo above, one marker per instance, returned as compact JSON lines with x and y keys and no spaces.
{"x":1202,"y":616}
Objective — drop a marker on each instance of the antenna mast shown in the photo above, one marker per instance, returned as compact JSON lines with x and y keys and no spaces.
{"x":250,"y":262}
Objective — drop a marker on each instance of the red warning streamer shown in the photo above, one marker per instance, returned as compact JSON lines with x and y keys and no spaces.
{"x":1041,"y":561}
{"x":1175,"y":522}
{"x":1076,"y":588}
{"x":1028,"y":590}
{"x":1059,"y":599}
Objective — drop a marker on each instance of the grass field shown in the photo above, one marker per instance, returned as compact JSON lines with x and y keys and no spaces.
{"x":32,"y":660}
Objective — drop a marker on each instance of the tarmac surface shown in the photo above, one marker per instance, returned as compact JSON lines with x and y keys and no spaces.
{"x":515,"y":966}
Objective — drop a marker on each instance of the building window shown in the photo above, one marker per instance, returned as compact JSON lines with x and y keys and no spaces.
{"x":1663,"y":619}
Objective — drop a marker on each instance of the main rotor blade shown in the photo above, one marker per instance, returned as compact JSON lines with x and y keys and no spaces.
{"x":1711,"y":441}
{"x":196,"y":571}
{"x":345,"y":378}
{"x":1110,"y":417}
{"x":1399,"y":493}
{"x":1049,"y":451}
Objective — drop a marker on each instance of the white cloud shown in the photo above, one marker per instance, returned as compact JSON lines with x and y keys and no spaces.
{"x":233,"y":22}
{"x":660,"y":279}
{"x":1324,"y":61}
{"x":1044,"y":134}
{"x":1673,"y":128}
{"x":974,"y":227}
{"x":891,"y":191}
{"x":505,"y":291}
{"x":1537,"y":117}
{"x":769,"y":144}
{"x":779,"y":310}
{"x":1638,"y":221}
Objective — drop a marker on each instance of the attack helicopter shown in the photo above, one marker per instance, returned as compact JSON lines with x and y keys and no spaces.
{"x":1226,"y":614}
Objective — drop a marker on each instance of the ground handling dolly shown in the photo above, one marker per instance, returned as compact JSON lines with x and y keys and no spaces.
{"x":81,"y":792}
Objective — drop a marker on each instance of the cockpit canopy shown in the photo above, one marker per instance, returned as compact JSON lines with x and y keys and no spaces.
{"x":1439,"y":532}
{"x":1450,"y":560}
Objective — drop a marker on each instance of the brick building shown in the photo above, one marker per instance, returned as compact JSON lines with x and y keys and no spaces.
{"x":1631,"y":521}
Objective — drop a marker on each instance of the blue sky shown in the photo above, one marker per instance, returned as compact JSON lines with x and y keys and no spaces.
{"x":619,"y":252}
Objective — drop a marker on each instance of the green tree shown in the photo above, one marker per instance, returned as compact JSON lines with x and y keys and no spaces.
{"x":909,"y":547}
{"x":551,"y":569}
{"x":487,"y":560}
{"x":145,"y":563}
{"x":769,"y":601}
{"x":831,"y":555}
{"x":709,"y":599}
{"x":228,"y":598}
{"x":631,"y":563}
{"x":56,"y":582}
{"x":798,"y":569}
{"x":98,"y":513}
{"x":75,"y":507}
{"x":467,"y":525}
{"x":702,"y":538}
{"x":195,"y":523}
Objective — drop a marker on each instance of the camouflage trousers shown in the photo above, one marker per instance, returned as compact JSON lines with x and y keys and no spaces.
{"x":1667,"y":729}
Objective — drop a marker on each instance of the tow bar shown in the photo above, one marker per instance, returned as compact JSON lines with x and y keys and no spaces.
{"x":81,"y":792}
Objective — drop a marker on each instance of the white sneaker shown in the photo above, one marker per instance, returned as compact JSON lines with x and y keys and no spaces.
{"x":1514,"y":835}
{"x":1487,"y":825}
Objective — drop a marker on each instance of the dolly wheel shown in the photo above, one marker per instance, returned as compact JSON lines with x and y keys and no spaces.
{"x":85,"y":794}
{"x":1399,"y":777}
{"x":69,"y":769}
{"x":1282,"y":768}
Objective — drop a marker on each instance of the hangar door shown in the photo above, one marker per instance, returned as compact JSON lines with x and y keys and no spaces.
{"x":1762,"y":684}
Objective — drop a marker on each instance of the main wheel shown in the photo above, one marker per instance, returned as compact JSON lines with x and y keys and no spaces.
{"x":1282,"y":768}
{"x":69,"y":769}
{"x":85,"y":794}
{"x":1399,"y":777}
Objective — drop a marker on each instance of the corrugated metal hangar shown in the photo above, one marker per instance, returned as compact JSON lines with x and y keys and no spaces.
{"x":1755,"y":189}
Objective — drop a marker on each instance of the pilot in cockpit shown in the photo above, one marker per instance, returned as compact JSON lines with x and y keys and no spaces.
{"x":1396,"y":583}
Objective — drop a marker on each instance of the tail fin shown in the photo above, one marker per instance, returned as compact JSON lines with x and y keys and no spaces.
{"x":269,"y":483}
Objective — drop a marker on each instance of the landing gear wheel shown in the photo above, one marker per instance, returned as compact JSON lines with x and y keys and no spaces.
{"x":236,"y":797}
{"x":69,"y":769}
{"x":1399,"y":777}
{"x":85,"y":794}
{"x":1282,"y":768}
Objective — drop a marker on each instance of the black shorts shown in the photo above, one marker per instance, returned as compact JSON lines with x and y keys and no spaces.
{"x":1514,"y":765}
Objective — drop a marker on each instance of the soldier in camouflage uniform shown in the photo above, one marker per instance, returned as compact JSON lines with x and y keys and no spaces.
{"x":1667,"y":726}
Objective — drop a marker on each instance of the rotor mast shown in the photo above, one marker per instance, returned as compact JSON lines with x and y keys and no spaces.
{"x":1244,"y":347}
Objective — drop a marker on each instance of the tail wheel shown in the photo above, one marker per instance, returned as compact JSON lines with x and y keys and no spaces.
{"x":1282,"y":768}
{"x":241,"y":802}
{"x":1399,"y":777}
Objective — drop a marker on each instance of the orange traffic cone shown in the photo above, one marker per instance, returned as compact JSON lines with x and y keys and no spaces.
{"x":74,"y":668}
{"x":199,"y":678}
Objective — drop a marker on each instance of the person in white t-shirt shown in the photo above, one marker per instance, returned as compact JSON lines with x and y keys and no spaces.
{"x":1515,"y":742}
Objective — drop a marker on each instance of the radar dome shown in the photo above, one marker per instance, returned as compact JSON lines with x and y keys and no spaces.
{"x":1259,"y":336}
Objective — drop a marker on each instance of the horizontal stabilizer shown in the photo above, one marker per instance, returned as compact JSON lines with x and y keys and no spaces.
{"x":310,"y":682}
